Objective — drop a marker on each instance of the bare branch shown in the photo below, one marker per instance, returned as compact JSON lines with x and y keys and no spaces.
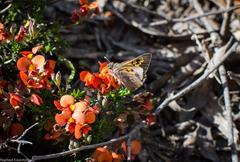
{"x":88,"y":147}
{"x":176,"y":20}
{"x":222,"y":56}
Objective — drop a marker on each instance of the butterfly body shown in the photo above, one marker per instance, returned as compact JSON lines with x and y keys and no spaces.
{"x":131,"y":73}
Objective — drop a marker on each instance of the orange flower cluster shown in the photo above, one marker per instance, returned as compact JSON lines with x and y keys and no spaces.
{"x":35,"y":70}
{"x":102,"y":154}
{"x":76,"y":117}
{"x":102,"y":81}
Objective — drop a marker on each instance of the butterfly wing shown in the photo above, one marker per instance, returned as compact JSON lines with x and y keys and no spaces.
{"x":132,"y":78}
{"x":132,"y":73}
{"x":142,"y":61}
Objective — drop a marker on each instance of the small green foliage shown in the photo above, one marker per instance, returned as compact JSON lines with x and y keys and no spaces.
{"x":78,"y":94}
{"x":11,"y":16}
{"x":118,"y":95}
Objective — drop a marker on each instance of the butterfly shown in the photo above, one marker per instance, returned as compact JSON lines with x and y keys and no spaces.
{"x":131,"y":73}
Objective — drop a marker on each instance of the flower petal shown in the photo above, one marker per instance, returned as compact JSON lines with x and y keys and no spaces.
{"x":67,"y":112}
{"x":36,"y":99}
{"x":136,"y":147}
{"x":77,"y":131}
{"x":82,"y":2}
{"x":23,"y":64}
{"x":57,"y":105}
{"x":90,"y":117}
{"x":37,"y":48}
{"x":79,"y":117}
{"x":102,"y":154}
{"x":15,"y":100}
{"x":117,"y":157}
{"x":25,"y":53}
{"x":97,"y":82}
{"x":60,"y":119}
{"x":23,"y":77}
{"x":148,"y":105}
{"x":85,"y":76}
{"x":38,"y":61}
{"x":151,"y":119}
{"x":86,"y":129}
{"x":49,"y":66}
{"x":70,"y":127}
{"x":103,"y":66}
{"x":80,"y":106}
{"x":66,"y":100}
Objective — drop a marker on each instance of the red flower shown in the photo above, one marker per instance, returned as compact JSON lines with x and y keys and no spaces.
{"x":75,"y":15}
{"x":102,"y":81}
{"x":148,"y":104}
{"x":151,"y":119}
{"x":36,"y":99}
{"x":76,"y":117}
{"x":85,"y":11}
{"x":15,"y":100}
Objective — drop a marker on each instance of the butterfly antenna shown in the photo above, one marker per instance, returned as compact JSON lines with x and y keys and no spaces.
{"x":106,"y":59}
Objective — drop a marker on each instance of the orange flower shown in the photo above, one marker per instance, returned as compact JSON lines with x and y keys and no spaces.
{"x":35,"y":71}
{"x":102,"y":154}
{"x":136,"y":148}
{"x":66,"y":100}
{"x":102,"y":81}
{"x":117,"y":157}
{"x":76,"y":117}
{"x":15,"y":100}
